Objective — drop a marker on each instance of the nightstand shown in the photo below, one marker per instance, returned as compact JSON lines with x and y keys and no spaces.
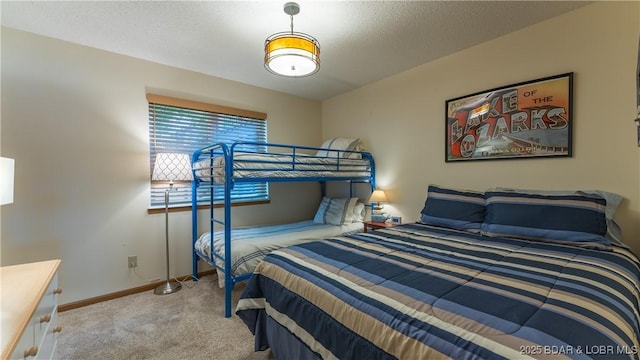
{"x":375,"y":225}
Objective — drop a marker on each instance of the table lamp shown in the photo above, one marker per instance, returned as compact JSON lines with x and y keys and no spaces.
{"x":376,"y":199}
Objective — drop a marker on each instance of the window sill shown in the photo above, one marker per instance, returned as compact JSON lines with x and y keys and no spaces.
{"x":188,"y":208}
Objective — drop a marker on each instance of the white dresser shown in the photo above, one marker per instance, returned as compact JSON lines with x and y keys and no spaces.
{"x":29,"y":305}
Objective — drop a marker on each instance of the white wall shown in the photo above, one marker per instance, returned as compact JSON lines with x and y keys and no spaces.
{"x":401,"y":119}
{"x":75,"y":120}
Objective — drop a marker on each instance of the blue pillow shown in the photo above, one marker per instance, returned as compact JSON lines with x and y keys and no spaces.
{"x":577,"y":219}
{"x":455,"y":209}
{"x":614,"y":233}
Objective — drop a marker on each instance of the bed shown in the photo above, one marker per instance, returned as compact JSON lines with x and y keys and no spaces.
{"x":223,"y":166}
{"x":506,"y":275}
{"x":251,"y":244}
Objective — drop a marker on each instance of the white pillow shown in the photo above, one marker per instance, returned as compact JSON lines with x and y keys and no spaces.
{"x":356,"y":155}
{"x":336,"y":211}
{"x":339,"y":144}
{"x":322,"y":208}
{"x":358,"y":212}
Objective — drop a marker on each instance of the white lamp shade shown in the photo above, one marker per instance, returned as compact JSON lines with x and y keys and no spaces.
{"x":172,"y":167}
{"x":6,"y":180}
{"x":378,"y":196}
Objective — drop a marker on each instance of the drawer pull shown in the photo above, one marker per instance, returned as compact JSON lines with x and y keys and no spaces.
{"x":57,"y":329}
{"x":57,"y":291}
{"x":32,"y":351}
{"x":45,"y":318}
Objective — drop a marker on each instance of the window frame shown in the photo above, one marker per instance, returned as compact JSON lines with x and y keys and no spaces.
{"x":199,"y":106}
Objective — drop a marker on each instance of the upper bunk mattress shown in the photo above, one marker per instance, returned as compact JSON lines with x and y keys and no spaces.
{"x":252,"y":165}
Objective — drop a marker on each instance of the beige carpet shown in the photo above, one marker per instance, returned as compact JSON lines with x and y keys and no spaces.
{"x":188,"y":324}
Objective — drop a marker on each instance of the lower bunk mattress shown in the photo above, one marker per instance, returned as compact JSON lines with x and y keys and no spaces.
{"x":420,"y":292}
{"x":249,"y":245}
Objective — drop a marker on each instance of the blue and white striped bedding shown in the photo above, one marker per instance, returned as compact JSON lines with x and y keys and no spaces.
{"x":420,"y":292}
{"x":251,"y":244}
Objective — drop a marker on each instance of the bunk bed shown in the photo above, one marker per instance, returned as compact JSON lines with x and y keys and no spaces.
{"x":499,"y":275}
{"x":223,"y":166}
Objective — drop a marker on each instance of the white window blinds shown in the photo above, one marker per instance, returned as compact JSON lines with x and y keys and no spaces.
{"x":182,"y":126}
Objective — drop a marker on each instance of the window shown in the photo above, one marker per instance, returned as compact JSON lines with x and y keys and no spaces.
{"x":183,"y":126}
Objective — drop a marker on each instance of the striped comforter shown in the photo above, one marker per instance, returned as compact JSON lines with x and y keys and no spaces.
{"x":420,"y":292}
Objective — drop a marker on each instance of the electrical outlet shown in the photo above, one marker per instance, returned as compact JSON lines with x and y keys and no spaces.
{"x":133,"y":261}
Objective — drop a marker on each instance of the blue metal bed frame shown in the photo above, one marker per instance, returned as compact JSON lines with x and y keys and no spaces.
{"x":294,"y":151}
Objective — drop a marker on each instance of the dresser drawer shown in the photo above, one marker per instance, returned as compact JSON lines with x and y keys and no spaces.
{"x":45,"y":312}
{"x":26,"y":342}
{"x":48,"y":342}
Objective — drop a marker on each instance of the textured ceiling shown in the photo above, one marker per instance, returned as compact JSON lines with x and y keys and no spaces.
{"x":361,"y":41}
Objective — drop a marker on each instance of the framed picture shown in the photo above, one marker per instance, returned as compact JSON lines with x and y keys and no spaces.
{"x":396,"y":220}
{"x":524,"y":120}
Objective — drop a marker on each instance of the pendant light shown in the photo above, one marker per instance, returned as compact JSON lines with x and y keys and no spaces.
{"x":292,"y":54}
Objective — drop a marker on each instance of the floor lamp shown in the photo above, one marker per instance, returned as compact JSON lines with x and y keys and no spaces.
{"x":170,"y":167}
